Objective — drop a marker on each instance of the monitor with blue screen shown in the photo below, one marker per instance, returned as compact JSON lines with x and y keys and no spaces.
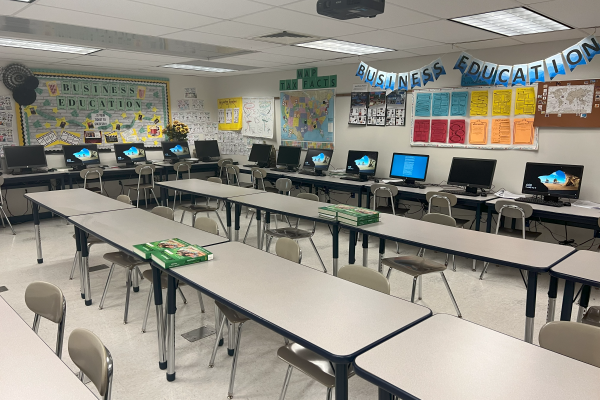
{"x":410,"y":167}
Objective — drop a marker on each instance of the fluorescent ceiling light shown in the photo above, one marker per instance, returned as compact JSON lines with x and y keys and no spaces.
{"x":56,"y":47}
{"x":339,"y":46}
{"x":198,"y":68}
{"x":512,"y":22}
{"x":25,"y":1}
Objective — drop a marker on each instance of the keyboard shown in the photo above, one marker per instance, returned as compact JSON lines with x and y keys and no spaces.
{"x":355,"y":178}
{"x":535,"y":200}
{"x":282,"y":170}
{"x":408,"y":185}
{"x":461,"y":193}
{"x":250,"y":165}
{"x":307,"y":172}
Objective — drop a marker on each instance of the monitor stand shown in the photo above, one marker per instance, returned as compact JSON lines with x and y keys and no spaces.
{"x":210,"y":159}
{"x":358,"y":178}
{"x":79,"y":167}
{"x":173,"y":160}
{"x":472,"y":190}
{"x":128,"y":165}
{"x":318,"y":172}
{"x":552,"y":198}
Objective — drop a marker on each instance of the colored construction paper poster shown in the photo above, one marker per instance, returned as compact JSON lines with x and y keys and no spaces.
{"x":457,"y":131}
{"x":523,"y":131}
{"x":226,"y":108}
{"x":439,"y":130}
{"x":421,"y":132}
{"x":458,"y":107}
{"x":501,"y":131}
{"x":478,"y":131}
{"x":423,"y":105}
{"x":525,"y":101}
{"x":479,"y":103}
{"x":441,"y":103}
{"x":501,"y":102}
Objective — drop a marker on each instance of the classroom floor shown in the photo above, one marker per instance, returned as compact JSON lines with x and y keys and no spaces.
{"x":497,"y":302}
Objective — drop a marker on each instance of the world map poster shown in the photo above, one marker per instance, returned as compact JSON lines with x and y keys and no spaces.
{"x":307,"y":118}
{"x":568,"y":104}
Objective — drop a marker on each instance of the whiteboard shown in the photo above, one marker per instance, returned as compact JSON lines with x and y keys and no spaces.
{"x":258,"y":117}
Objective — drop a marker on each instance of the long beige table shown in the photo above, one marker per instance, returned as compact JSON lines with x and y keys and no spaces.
{"x":448,"y":358}
{"x":29,"y":368}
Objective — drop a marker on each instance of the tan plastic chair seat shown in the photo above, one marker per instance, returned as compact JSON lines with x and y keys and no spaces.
{"x":194,"y":208}
{"x":232,"y":316}
{"x":164,"y":283}
{"x":292,"y":233}
{"x":516,"y":233}
{"x":124,"y":260}
{"x":271,"y":189}
{"x":92,"y":240}
{"x":142,"y":186}
{"x":592,"y":316}
{"x":460,"y":223}
{"x":413,"y":265}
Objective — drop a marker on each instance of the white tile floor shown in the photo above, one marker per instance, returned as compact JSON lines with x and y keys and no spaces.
{"x":498,"y":302}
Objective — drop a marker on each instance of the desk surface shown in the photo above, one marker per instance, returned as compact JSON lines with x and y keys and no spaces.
{"x":29,"y":368}
{"x":333,"y":317}
{"x":503,"y":250}
{"x":312,"y":178}
{"x":582,"y":267}
{"x":448,"y":358}
{"x":47,"y":175}
{"x":566,"y":211}
{"x":288,"y":205}
{"x":125,"y":228}
{"x":207,"y":188}
{"x":68,"y":203}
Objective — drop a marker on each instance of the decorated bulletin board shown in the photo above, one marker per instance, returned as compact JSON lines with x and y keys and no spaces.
{"x":77,"y":108}
{"x":570,"y":104}
{"x":475,"y":118}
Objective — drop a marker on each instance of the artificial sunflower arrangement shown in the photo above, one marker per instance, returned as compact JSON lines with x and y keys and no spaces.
{"x":177,"y":131}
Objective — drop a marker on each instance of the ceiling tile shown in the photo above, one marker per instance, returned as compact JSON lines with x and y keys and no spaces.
{"x":434,"y":50}
{"x":486,"y":44}
{"x":388,"y":40}
{"x":249,"y":62}
{"x":453,"y":9}
{"x":551,"y":36}
{"x":275,"y":2}
{"x":236,"y":29}
{"x":276,"y":58}
{"x":207,"y":38}
{"x":158,"y":58}
{"x":575,"y":13}
{"x":9,"y":7}
{"x":446,"y":32}
{"x":302,"y":23}
{"x":389,"y":56}
{"x":301,"y":52}
{"x":224,"y":9}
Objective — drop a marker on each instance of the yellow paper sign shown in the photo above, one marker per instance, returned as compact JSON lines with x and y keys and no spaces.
{"x":501,"y":131}
{"x":523,"y":131}
{"x":501,"y":102}
{"x":230,"y":114}
{"x":525,"y":101}
{"x":478,"y":131}
{"x":479,"y":103}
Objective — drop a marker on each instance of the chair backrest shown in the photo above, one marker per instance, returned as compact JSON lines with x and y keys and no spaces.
{"x":233,"y":173}
{"x":383,"y":190}
{"x":224,"y":161}
{"x":93,"y":359}
{"x":441,"y":219}
{"x":124,"y":199}
{"x":215,"y":179}
{"x":164,"y":212}
{"x":46,"y":300}
{"x":308,"y":196}
{"x":365,"y":277}
{"x":572,"y":339}
{"x":513,"y":209}
{"x":2,"y":183}
{"x":206,"y":225}
{"x":91,"y":173}
{"x":182,"y":166}
{"x":145,"y":169}
{"x":288,"y":249}
{"x":284,"y":185}
{"x":259,"y":174}
{"x":440,"y":199}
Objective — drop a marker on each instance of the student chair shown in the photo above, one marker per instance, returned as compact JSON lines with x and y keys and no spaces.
{"x":572,"y":339}
{"x":513,"y":209}
{"x":315,"y":366}
{"x":388,"y":192}
{"x":91,"y":174}
{"x":221,"y":164}
{"x":592,"y":316}
{"x":259,"y":175}
{"x":143,"y":171}
{"x":180,"y":169}
{"x":3,"y":215}
{"x":200,"y":208}
{"x":46,"y":300}
{"x":123,"y":198}
{"x":417,"y":266}
{"x":233,"y":176}
{"x":288,"y":249}
{"x":91,"y":241}
{"x":93,"y":360}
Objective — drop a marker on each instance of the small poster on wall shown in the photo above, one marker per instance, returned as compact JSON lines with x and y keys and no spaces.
{"x":396,"y":108}
{"x":376,"y":112}
{"x":358,"y":108}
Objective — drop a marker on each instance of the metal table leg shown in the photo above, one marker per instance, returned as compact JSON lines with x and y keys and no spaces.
{"x":530,"y":307}
{"x":238,"y":212}
{"x":164,"y":196}
{"x":335,"y":229}
{"x":352,"y":247}
{"x":228,"y":213}
{"x":160,"y":324}
{"x":267,"y":227}
{"x":36,"y":228}
{"x":85,"y":273}
{"x":381,"y":254}
{"x":341,"y":381}
{"x":490,"y":213}
{"x":567,"y":305}
{"x":258,"y":229}
{"x":478,"y":217}
{"x":584,"y":301}
{"x":171,"y":308}
{"x":78,"y":260}
{"x":552,"y":291}
{"x":384,"y":395}
{"x":365,"y":246}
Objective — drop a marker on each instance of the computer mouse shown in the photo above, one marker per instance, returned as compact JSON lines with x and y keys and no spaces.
{"x":566,"y":203}
{"x":484,"y":194}
{"x":376,"y":180}
{"x":51,"y":169}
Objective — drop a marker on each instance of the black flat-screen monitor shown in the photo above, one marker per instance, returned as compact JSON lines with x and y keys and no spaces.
{"x":319,"y":159}
{"x":207,"y":149}
{"x":176,"y":150}
{"x":79,"y":155}
{"x":129,"y":153}
{"x":25,"y":157}
{"x":289,"y":156}
{"x":472,"y":172}
{"x":261,"y":154}
{"x":361,"y":162}
{"x":410,"y":167}
{"x":555,"y":180}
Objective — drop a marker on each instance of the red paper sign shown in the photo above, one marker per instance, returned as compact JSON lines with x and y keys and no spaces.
{"x":421,"y":132}
{"x":439,"y":130}
{"x":457,"y":131}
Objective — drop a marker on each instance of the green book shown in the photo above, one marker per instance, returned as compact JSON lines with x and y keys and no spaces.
{"x":357,"y":222}
{"x":177,"y":257}
{"x":356,"y":213}
{"x":147,"y":249}
{"x":328,"y":211}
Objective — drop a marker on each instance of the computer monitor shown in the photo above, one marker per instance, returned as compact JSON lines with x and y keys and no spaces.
{"x":78,"y":156}
{"x":175,"y":151}
{"x":289,"y":156}
{"x":319,"y":159}
{"x":130,"y":153}
{"x":260,"y":154}
{"x":472,"y":173}
{"x":553,"y":180}
{"x":24,"y":158}
{"x":410,"y":167}
{"x":362,"y":163}
{"x":207,"y":150}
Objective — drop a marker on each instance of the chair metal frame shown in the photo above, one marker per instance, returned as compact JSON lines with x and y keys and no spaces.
{"x":3,"y":215}
{"x":178,"y":169}
{"x":88,"y":171}
{"x":61,"y":327}
{"x":140,"y":171}
{"x":391,"y":197}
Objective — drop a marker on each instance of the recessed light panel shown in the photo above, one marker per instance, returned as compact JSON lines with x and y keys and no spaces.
{"x":512,"y":22}
{"x":340,"y":46}
{"x":198,"y":68}
{"x":56,"y":47}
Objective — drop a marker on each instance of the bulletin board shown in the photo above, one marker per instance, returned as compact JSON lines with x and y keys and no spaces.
{"x":568,"y":104}
{"x":78,"y":108}
{"x":494,"y":118}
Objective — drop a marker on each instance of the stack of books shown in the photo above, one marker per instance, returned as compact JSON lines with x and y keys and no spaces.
{"x":349,"y":215}
{"x":171,"y":253}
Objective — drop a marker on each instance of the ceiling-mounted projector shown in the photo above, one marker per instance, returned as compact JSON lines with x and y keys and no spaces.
{"x":348,"y":9}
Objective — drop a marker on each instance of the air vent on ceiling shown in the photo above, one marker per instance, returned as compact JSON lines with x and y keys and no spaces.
{"x":287,"y":38}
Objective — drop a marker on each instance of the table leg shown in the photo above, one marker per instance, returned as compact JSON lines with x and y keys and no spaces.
{"x":70,"y":182}
{"x":171,"y":308}
{"x":36,"y":229}
{"x":365,"y":246}
{"x":352,"y":247}
{"x":478,"y":217}
{"x":341,"y":381}
{"x":567,"y":305}
{"x":530,"y":306}
{"x":552,"y":291}
{"x":85,"y":272}
{"x":78,"y":258}
{"x":381,"y":254}
{"x":164,"y":196}
{"x":384,"y":395}
{"x":584,"y":301}
{"x":336,"y":247}
{"x":490,"y":213}
{"x":160,"y":324}
{"x":267,"y":227}
{"x":228,"y":213}
{"x":359,"y":200}
{"x":258,"y":229}
{"x":238,"y":212}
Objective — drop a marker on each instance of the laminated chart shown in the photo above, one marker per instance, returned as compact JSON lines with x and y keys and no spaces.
{"x":501,"y":102}
{"x":501,"y":131}
{"x":441,"y":103}
{"x":439,"y":130}
{"x":457,"y":131}
{"x":423,"y":105}
{"x":421,"y":131}
{"x":525,"y":101}
{"x":478,"y":131}
{"x":459,"y":104}
{"x":523,"y":131}
{"x":479,"y":103}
